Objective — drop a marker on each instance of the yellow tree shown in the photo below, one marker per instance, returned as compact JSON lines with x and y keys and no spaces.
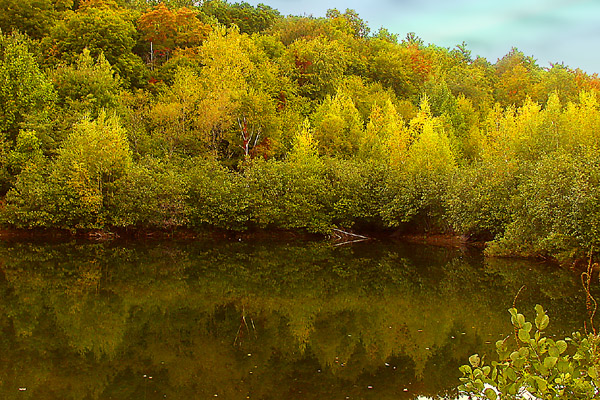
{"x":338,"y":126}
{"x":241,"y":94}
{"x":385,"y":137}
{"x":174,"y":116}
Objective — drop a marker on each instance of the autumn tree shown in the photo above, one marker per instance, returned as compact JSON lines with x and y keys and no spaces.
{"x":319,"y":66}
{"x":517,"y":75}
{"x":403,"y":67}
{"x":166,"y":30}
{"x":292,"y":28}
{"x":242,"y":92}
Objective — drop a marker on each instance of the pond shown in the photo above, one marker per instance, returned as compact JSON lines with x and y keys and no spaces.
{"x":259,"y":319}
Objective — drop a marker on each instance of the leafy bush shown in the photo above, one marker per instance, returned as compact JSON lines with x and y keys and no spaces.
{"x":556,"y":209}
{"x":538,"y":366}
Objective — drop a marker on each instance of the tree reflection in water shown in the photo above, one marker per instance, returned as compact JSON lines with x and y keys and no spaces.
{"x":293,"y":320}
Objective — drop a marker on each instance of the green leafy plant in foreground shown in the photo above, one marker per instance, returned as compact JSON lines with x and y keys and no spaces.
{"x":538,"y":367}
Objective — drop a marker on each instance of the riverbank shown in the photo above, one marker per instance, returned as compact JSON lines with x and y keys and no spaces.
{"x":447,"y":240}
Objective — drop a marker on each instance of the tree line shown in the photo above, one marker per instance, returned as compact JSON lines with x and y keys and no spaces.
{"x":160,"y":115}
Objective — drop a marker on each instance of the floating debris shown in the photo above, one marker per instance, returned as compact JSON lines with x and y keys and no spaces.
{"x":22,"y":389}
{"x":369,"y":387}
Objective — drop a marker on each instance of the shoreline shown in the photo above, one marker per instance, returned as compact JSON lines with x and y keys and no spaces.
{"x":447,"y":240}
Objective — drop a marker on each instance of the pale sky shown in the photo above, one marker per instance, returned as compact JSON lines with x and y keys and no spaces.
{"x":549,"y":30}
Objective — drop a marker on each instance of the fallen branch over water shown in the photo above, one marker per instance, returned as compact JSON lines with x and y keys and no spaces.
{"x":347,"y":237}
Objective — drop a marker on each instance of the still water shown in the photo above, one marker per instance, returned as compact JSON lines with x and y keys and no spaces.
{"x":259,"y":319}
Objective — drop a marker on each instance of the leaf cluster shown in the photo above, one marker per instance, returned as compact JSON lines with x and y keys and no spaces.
{"x":537,"y":366}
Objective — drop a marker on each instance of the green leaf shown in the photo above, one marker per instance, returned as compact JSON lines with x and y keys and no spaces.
{"x":514,"y":355}
{"x":510,"y":374}
{"x":475,"y":360}
{"x":527,"y":326}
{"x":564,"y":367}
{"x":592,"y":372}
{"x":519,"y":362}
{"x":491,"y":395}
{"x":540,"y":383}
{"x":543,"y":323}
{"x":550,"y":361}
{"x":520,"y":320}
{"x":561,"y":345}
{"x":524,"y":336}
{"x":465,"y":369}
{"x":539,"y":309}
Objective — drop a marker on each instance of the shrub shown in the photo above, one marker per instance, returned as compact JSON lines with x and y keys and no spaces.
{"x":538,"y":365}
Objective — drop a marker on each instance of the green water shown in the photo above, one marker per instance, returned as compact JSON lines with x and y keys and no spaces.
{"x":259,"y":320}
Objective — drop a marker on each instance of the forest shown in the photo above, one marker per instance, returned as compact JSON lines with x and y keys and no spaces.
{"x":121,"y":115}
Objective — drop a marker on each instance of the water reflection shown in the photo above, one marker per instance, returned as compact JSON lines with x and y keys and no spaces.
{"x":302,"y":320}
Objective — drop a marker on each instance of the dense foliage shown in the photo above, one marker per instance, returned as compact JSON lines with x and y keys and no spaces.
{"x":540,"y":367}
{"x":145,"y":114}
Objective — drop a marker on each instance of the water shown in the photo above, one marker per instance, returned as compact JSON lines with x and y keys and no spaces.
{"x":259,"y":319}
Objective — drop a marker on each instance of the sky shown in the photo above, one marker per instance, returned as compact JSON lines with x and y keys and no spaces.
{"x":551,"y":31}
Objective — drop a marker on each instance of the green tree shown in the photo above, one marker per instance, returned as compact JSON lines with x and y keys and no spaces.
{"x":349,"y":21}
{"x":88,"y":86}
{"x":319,"y":66}
{"x":26,"y":94}
{"x":70,"y":192}
{"x":32,"y":17}
{"x":101,"y":27}
{"x":249,"y":19}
